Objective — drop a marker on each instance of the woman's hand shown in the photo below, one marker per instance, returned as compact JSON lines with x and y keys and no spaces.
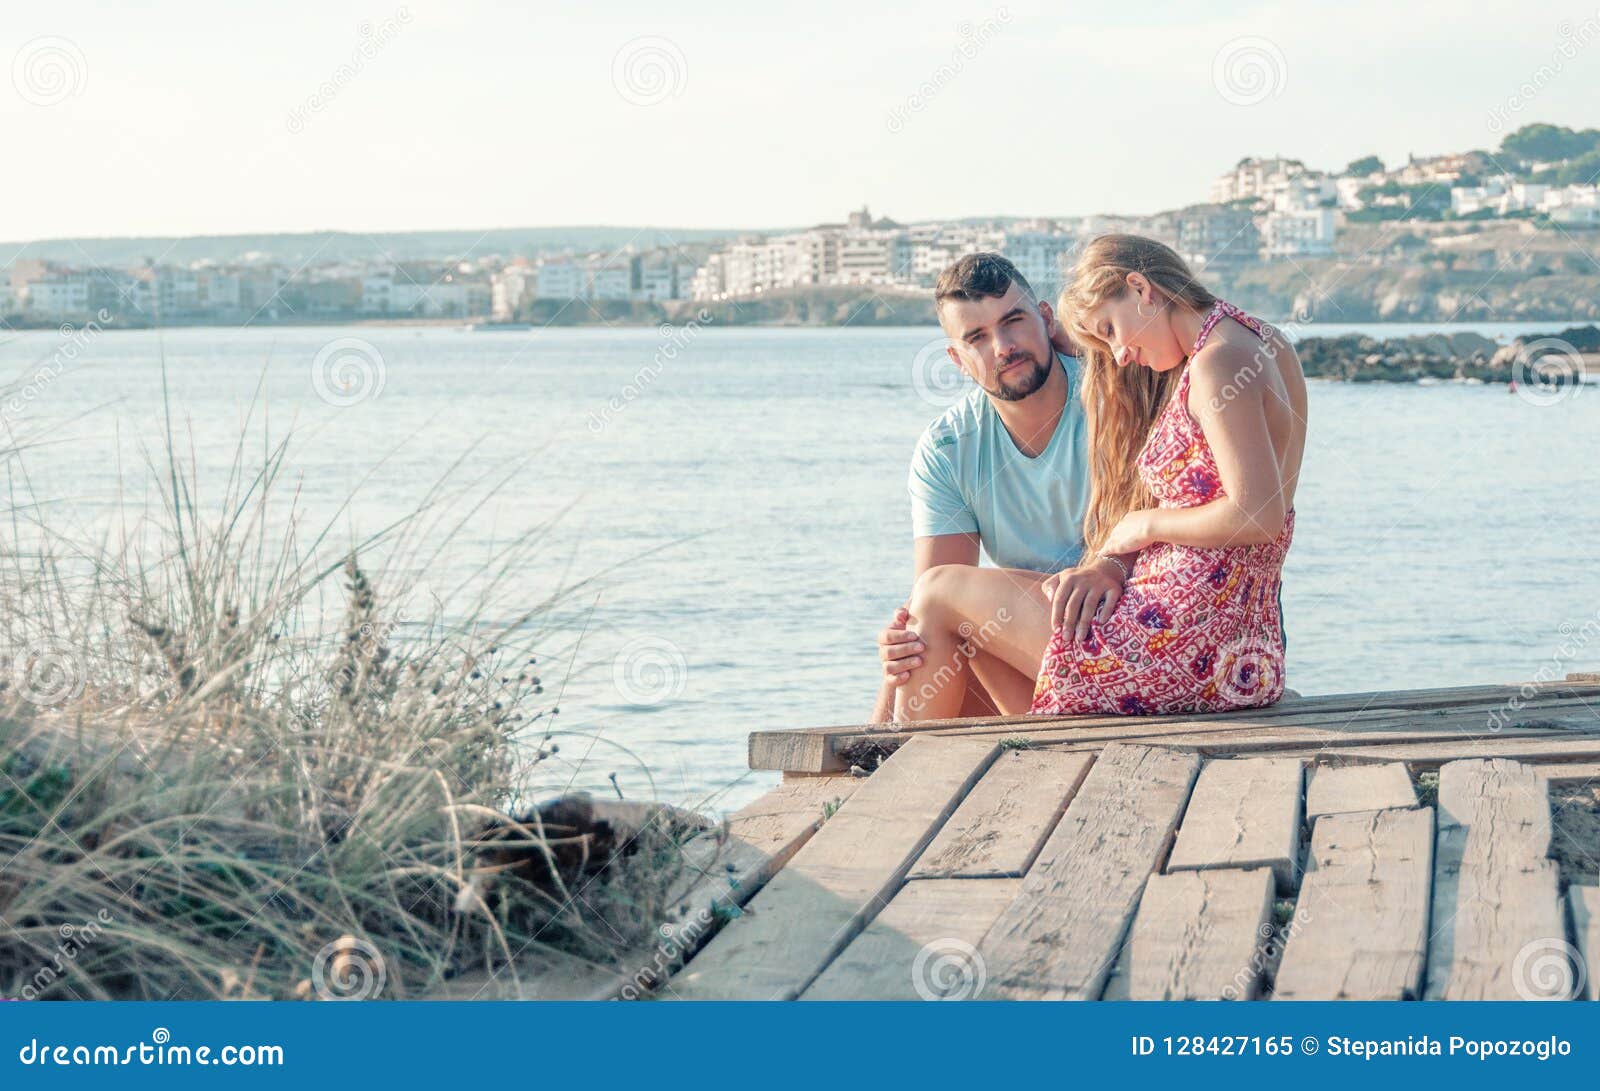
{"x":1079,"y":596}
{"x":1131,"y":534}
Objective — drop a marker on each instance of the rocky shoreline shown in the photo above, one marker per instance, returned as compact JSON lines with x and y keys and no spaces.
{"x":1554,"y":359}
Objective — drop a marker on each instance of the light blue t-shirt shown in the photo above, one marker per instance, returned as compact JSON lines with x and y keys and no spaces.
{"x":967,"y":476}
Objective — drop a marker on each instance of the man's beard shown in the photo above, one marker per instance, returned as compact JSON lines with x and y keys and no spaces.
{"x":1030,"y":381}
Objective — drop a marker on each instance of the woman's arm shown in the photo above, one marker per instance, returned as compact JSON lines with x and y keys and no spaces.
{"x":1228,"y":398}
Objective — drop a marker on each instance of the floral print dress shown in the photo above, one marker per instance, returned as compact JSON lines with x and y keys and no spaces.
{"x":1196,"y":630}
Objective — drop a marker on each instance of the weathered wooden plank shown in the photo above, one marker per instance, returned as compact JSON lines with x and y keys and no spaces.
{"x":1116,"y":986}
{"x":1360,"y":926}
{"x":1370,"y":727}
{"x":923,"y":946}
{"x":1584,"y":902}
{"x":1243,"y":814}
{"x":1481,"y":719}
{"x":793,"y":752}
{"x":1198,"y":935}
{"x":1495,"y":906}
{"x":1332,"y":789}
{"x":1058,"y":938}
{"x":735,"y":860}
{"x":790,"y":750}
{"x":1566,"y":773}
{"x":1000,"y":826}
{"x":839,"y":880}
{"x":1421,"y":757}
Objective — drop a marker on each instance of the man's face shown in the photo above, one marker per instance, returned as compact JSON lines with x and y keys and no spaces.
{"x":1002,"y":344}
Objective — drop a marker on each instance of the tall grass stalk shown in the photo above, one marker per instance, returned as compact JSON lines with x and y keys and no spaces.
{"x":240,"y":760}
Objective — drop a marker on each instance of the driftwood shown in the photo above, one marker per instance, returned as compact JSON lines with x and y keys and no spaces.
{"x":566,"y":840}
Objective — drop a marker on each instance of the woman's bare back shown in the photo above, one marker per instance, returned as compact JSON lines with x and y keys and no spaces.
{"x":1275,"y":365}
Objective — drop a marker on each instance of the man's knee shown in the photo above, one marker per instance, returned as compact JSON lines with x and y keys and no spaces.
{"x":934,"y":591}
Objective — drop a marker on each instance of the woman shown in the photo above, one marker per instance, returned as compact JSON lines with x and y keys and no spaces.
{"x":1197,"y":427}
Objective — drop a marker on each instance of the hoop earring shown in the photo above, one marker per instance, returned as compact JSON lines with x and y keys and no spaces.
{"x":1140,"y":308}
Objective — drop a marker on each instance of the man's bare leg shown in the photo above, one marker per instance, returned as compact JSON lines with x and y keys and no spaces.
{"x":1007,"y":691}
{"x":974,"y":702}
{"x":955,"y":607}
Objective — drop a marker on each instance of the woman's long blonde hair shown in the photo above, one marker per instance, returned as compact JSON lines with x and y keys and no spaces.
{"x":1121,"y":403}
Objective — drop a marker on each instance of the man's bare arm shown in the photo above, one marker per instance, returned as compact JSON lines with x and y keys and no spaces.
{"x":898,"y":647}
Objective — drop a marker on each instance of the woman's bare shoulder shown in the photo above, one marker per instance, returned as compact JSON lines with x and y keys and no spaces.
{"x":1231,"y":358}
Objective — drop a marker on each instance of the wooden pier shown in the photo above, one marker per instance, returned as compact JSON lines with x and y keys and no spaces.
{"x":1392,"y":845}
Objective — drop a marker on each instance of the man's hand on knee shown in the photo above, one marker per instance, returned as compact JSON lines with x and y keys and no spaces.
{"x":900,"y":648}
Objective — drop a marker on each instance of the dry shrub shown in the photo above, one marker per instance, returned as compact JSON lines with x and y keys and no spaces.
{"x":234,"y":762}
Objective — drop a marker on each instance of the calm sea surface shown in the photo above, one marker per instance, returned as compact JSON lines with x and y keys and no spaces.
{"x":740,"y":495}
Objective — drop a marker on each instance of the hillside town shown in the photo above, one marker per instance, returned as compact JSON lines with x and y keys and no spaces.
{"x":1263,"y":210}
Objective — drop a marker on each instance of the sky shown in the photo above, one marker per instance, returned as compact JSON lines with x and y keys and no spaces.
{"x":203,"y":118}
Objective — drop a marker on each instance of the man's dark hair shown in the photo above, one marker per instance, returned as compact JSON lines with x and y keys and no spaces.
{"x":984,"y":275}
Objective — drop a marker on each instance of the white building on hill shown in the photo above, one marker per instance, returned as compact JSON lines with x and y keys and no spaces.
{"x":1254,"y":178}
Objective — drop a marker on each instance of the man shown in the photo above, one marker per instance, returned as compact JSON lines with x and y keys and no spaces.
{"x":1005,"y":469}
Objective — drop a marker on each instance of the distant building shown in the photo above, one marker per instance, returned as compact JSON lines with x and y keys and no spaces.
{"x":1572,"y":205}
{"x":652,"y":277}
{"x":611,"y":280}
{"x":1253,"y":178}
{"x":1217,"y":237}
{"x":710,"y":280}
{"x":561,"y":278}
{"x":1298,"y":232}
{"x":875,"y":252}
{"x":873,"y":257}
{"x":656,"y":275}
{"x":422,"y":293}
{"x":1041,"y":258}
{"x":1441,"y":169}
{"x":1347,"y":189}
{"x":1500,"y":195}
{"x":57,"y":296}
{"x":508,"y":288}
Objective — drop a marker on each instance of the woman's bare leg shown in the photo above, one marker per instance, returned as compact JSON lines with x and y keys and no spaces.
{"x":995,"y":612}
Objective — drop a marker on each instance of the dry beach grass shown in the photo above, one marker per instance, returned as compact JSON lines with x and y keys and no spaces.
{"x":236,"y":761}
